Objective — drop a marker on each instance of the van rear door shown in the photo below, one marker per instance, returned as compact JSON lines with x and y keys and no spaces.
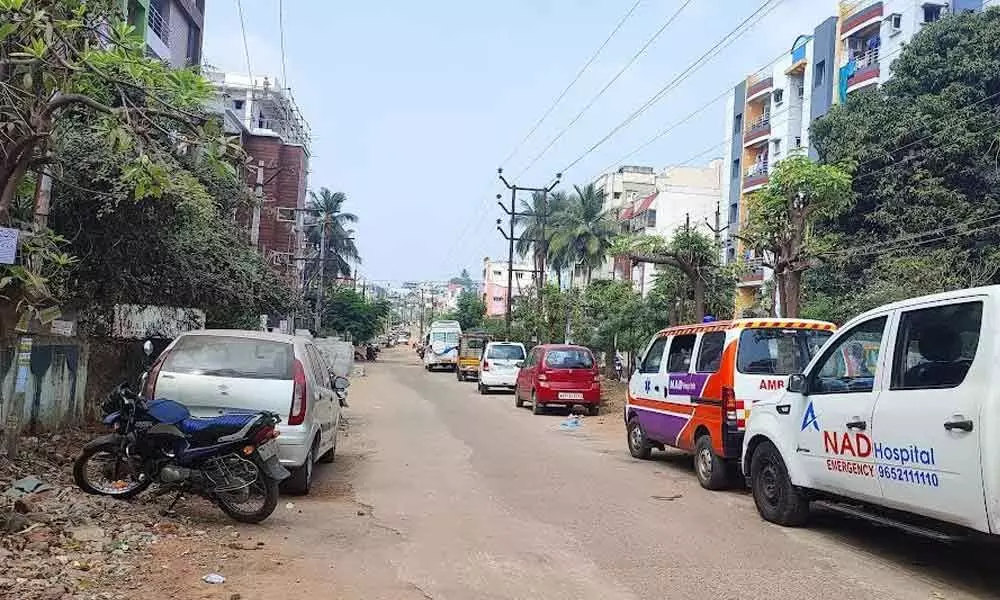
{"x":214,"y":374}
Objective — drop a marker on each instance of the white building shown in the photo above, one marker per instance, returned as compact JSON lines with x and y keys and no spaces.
{"x":625,"y":185}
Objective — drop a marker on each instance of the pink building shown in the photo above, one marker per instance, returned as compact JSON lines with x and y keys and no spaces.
{"x":495,"y":284}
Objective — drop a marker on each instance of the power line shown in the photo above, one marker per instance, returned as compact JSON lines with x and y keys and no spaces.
{"x":246,"y":46}
{"x":579,"y":74}
{"x":640,"y":52}
{"x":912,"y":240}
{"x":762,"y":11}
{"x":281,"y":30}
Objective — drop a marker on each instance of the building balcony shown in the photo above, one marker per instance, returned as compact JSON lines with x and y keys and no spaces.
{"x":866,"y":70}
{"x":757,"y":131}
{"x":861,"y":16}
{"x":758,"y":86}
{"x":159,"y":28}
{"x":756,"y":177}
{"x":754,"y":275}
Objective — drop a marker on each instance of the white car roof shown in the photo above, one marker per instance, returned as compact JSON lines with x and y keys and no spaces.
{"x":988,"y":290}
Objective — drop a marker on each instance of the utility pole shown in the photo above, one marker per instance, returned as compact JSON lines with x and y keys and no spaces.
{"x":422,"y":306}
{"x":512,"y":214}
{"x":322,"y":276}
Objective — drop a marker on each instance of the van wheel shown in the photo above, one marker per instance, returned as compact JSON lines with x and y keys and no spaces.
{"x":536,"y":408}
{"x":518,"y":402}
{"x":300,"y":481}
{"x":710,"y":469}
{"x":777,"y":500}
{"x":638,"y":446}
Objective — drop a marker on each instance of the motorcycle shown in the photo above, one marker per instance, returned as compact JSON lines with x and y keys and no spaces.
{"x":231,"y":460}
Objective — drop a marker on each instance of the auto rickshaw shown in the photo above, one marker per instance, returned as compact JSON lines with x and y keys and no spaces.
{"x":470,"y":353}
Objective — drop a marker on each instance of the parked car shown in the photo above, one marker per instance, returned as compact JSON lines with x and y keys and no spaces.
{"x":498,"y":367}
{"x":895,"y":420}
{"x":695,"y":384}
{"x":213,"y":372}
{"x":558,"y":375}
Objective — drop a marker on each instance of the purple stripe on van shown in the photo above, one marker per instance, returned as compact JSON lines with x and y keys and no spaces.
{"x":686,"y":384}
{"x":661,"y":427}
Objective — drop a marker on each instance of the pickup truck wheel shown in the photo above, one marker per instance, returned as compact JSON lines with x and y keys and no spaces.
{"x":638,"y":446}
{"x":777,"y":500}
{"x":710,"y":469}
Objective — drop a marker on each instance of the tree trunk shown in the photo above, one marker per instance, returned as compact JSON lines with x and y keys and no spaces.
{"x":699,"y":298}
{"x":793,"y":288}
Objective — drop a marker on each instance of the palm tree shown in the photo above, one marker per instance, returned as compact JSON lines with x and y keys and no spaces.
{"x":584,"y":230}
{"x":536,"y":219}
{"x":331,"y":222}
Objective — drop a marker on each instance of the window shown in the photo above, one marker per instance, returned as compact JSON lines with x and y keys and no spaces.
{"x":800,"y":91}
{"x":238,"y":104}
{"x":321,"y":372}
{"x":736,"y":169}
{"x":779,"y":96}
{"x":506,"y":352}
{"x":616,"y":195}
{"x":798,"y":141}
{"x":650,"y":218}
{"x":710,"y":352}
{"x":498,"y":273}
{"x":569,"y":358}
{"x":285,"y":215}
{"x":936,"y":346}
{"x":738,"y":124}
{"x":819,"y":74}
{"x":896,"y":22}
{"x":654,"y":356}
{"x":778,"y":351}
{"x":851,"y":364}
{"x":448,"y":337}
{"x":932,"y":12}
{"x":679,"y":359}
{"x":225,"y":356}
{"x":776,"y":148}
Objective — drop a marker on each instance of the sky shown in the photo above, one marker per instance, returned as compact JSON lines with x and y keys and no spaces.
{"x":414,"y":105}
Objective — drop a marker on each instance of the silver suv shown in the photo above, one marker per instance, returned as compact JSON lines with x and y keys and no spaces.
{"x":217,"y":371}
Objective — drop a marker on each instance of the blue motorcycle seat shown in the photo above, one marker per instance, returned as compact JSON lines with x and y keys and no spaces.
{"x":231,"y":423}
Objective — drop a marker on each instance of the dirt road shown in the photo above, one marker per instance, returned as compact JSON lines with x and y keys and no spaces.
{"x":441,"y":493}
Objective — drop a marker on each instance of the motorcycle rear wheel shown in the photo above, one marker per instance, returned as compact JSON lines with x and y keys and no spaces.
{"x":111,"y":451}
{"x":233,"y":504}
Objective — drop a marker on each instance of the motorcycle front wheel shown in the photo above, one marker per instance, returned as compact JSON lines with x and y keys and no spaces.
{"x":106,"y":470}
{"x":251,"y":504}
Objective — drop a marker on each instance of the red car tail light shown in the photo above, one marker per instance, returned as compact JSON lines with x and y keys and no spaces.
{"x":486,"y":365}
{"x":297,"y":413}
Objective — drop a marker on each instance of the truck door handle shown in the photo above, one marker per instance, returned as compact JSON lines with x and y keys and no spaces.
{"x":860,"y":425}
{"x":964,"y":425}
{"x":783,"y":409}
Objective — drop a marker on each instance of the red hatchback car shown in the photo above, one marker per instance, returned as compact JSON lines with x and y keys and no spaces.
{"x":559,"y":375}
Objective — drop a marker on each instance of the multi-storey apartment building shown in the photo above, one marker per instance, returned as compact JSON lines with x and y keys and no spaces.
{"x":172,"y":29}
{"x":625,"y":185}
{"x":769,"y":113}
{"x":276,"y":137}
{"x":495,"y":293}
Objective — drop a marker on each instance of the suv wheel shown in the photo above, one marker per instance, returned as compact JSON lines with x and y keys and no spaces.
{"x":638,"y":445}
{"x":300,"y":481}
{"x":710,"y":469}
{"x":777,"y":500}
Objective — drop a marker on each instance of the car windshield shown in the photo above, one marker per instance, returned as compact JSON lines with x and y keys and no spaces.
{"x":448,"y":337}
{"x":778,"y":351}
{"x":506,"y":352}
{"x":569,"y":358}
{"x":226,"y":356}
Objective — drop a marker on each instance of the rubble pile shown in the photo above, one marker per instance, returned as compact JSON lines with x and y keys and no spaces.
{"x":58,"y":543}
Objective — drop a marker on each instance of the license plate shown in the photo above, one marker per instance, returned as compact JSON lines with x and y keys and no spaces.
{"x":267,"y":449}
{"x":571,"y":395}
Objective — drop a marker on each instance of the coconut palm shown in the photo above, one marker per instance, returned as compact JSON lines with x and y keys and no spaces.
{"x":537,"y":221}
{"x":584,"y":230}
{"x":330,"y":221}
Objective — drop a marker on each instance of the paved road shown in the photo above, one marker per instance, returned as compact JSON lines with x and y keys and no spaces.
{"x":441,"y":493}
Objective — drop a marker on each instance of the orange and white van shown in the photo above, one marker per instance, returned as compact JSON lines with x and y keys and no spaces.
{"x":695,"y":385}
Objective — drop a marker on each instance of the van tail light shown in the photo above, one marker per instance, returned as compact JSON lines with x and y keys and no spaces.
{"x":151,"y":376}
{"x":735,"y":415}
{"x":486,"y":365}
{"x":297,"y":414}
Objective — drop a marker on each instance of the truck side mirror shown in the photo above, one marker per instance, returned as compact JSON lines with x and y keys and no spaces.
{"x":797,"y":383}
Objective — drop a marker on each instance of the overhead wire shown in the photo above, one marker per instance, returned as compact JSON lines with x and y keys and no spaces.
{"x":246,"y":45}
{"x":566,"y":90}
{"x":607,"y":86}
{"x":281,"y":34}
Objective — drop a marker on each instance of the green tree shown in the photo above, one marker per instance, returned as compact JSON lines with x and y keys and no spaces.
{"x":464,"y":280}
{"x":346,"y":311}
{"x":471,"y":310}
{"x":330,"y":221}
{"x":584,"y":231}
{"x":781,"y":217}
{"x":925,"y":186}
{"x":536,"y":219}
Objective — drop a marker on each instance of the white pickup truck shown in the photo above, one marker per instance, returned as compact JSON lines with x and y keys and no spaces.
{"x":895,"y":420}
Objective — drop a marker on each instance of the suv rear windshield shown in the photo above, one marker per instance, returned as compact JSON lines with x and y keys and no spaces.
{"x":569,"y":358}
{"x":506,"y":352}
{"x":778,"y":351}
{"x":225,"y":356}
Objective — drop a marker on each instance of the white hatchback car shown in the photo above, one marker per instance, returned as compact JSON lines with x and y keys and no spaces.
{"x":499,"y":365}
{"x":212,"y":372}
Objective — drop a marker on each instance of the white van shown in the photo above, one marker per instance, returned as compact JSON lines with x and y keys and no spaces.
{"x":441,"y":345}
{"x":895,"y":420}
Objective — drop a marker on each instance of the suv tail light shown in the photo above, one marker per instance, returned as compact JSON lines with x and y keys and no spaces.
{"x":486,"y":365}
{"x":735,"y":416}
{"x":297,"y":414}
